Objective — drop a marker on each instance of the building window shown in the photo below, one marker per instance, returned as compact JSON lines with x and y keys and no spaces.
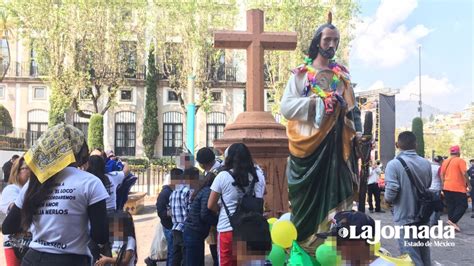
{"x":36,"y":125}
{"x":172,"y":96}
{"x":39,"y":93}
{"x":216,"y":96}
{"x":34,"y":131}
{"x":126,"y":95}
{"x":128,"y":56}
{"x":85,"y":94}
{"x":215,"y":127}
{"x":2,"y":92}
{"x":270,"y":97}
{"x":173,"y":133}
{"x":125,"y":134}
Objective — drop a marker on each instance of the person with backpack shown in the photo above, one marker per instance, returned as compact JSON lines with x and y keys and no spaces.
{"x":239,"y":176}
{"x":402,"y":193}
{"x":124,"y":241}
{"x":209,"y":163}
{"x":198,"y":223}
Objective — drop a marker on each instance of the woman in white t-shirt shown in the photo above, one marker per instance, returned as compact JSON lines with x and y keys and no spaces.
{"x":62,"y":206}
{"x":239,"y":170}
{"x":18,"y":177}
{"x":124,"y":244}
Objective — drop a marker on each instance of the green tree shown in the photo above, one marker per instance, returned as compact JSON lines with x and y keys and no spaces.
{"x":439,"y":142}
{"x":184,"y":39}
{"x":106,"y":54}
{"x":150,"y":125}
{"x":467,"y":140}
{"x":50,"y":28}
{"x":301,"y":17}
{"x":417,"y":129}
{"x":80,"y":48}
{"x":96,"y":132}
{"x":6,"y":124}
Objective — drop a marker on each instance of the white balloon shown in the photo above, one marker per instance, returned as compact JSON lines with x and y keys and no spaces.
{"x":285,"y":217}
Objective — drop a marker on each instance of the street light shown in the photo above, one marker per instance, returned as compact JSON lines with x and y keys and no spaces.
{"x":419,"y":83}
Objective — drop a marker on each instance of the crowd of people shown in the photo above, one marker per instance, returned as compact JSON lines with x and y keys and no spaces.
{"x":63,"y":205}
{"x":192,"y":211}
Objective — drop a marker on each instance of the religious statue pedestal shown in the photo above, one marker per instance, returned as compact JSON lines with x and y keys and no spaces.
{"x":268,"y":144}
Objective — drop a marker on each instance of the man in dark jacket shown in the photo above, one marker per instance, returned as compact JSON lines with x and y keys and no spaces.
{"x":198,"y":222}
{"x":7,"y":167}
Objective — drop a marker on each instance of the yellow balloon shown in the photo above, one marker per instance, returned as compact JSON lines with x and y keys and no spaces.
{"x":283,"y":233}
{"x":272,"y":220}
{"x":377,"y":248}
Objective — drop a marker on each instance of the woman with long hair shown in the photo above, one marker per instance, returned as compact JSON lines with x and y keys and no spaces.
{"x":229,"y":186}
{"x":63,"y":206}
{"x":19,"y":175}
{"x":124,"y":241}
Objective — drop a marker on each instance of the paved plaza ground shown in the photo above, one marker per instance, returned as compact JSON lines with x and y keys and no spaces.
{"x":460,"y":254}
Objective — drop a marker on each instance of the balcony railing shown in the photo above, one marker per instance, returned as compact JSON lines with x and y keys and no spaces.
{"x":32,"y":70}
{"x":25,"y":69}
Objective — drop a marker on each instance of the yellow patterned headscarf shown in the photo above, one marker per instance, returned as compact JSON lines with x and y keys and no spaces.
{"x":54,"y":151}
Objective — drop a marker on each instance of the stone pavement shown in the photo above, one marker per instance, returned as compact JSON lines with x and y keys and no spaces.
{"x":460,"y":254}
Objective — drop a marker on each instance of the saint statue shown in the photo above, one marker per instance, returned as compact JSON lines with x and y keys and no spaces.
{"x":323,"y":127}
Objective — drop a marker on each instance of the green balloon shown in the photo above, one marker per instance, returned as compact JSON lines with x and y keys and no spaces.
{"x":326,"y":255}
{"x":277,"y":256}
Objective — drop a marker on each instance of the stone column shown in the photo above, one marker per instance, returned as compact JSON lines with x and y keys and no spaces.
{"x":268,"y":144}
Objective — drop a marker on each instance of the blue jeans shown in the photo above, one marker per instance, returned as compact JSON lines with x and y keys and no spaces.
{"x":193,"y":247}
{"x":434,"y":218}
{"x":169,"y":242}
{"x":420,"y":255}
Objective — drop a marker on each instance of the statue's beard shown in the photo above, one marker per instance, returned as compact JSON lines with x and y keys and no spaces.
{"x":328,"y":53}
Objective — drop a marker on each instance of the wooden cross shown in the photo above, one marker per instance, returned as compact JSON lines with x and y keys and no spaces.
{"x":255,"y":40}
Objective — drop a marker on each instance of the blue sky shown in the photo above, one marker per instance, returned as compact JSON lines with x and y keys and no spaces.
{"x":385,"y":49}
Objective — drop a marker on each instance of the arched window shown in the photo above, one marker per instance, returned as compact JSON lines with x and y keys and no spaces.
{"x":172,"y":133}
{"x":37,"y":124}
{"x":125,"y":134}
{"x":215,"y":127}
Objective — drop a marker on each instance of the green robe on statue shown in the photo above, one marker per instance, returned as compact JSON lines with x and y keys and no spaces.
{"x":322,"y":167}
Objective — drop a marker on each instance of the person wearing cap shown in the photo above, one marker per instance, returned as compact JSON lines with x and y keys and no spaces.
{"x":359,"y":251}
{"x":352,"y":251}
{"x":455,"y":186}
{"x":402,"y":194}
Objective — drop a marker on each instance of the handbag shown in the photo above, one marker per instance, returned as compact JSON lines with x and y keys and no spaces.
{"x":20,"y":243}
{"x":428,"y":201}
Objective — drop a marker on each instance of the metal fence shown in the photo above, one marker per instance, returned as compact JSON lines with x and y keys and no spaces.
{"x":150,"y":180}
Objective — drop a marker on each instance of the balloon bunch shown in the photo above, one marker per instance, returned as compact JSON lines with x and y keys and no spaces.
{"x":283,"y":233}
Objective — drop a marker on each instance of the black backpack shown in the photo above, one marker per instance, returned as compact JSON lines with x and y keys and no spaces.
{"x":248,"y":222}
{"x":428,"y":201}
